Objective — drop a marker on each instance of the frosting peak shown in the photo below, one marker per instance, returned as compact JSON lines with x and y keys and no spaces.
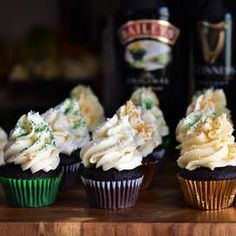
{"x":209,"y":99}
{"x":144,"y":131}
{"x":145,"y":97}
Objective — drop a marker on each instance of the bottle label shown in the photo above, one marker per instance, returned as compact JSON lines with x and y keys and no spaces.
{"x":213,"y":67}
{"x":148,"y":43}
{"x":147,"y":51}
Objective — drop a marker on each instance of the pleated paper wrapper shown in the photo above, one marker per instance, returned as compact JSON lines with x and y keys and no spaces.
{"x":31,"y":192}
{"x":112,"y":194}
{"x":208,"y":195}
{"x":70,"y":173}
{"x":150,"y":168}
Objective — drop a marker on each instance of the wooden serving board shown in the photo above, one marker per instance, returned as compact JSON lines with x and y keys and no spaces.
{"x":159,"y":211}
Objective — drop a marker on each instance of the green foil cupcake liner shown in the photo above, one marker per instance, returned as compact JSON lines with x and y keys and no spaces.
{"x":31,"y":192}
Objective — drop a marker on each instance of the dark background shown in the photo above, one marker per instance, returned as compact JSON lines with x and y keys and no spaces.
{"x":33,"y":31}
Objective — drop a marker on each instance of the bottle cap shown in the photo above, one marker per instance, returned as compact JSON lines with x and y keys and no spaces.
{"x":164,"y":12}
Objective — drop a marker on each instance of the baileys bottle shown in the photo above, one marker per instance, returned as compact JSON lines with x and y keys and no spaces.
{"x":147,"y":38}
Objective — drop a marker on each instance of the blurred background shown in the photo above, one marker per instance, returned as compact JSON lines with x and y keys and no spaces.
{"x":48,"y":47}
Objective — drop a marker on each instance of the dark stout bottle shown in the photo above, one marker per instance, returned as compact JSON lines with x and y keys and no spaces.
{"x":230,"y":6}
{"x":212,"y":46}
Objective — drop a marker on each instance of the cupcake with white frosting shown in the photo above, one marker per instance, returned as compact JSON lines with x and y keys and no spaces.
{"x":113,"y":160}
{"x":208,"y":162}
{"x":90,"y":107}
{"x":31,"y":176}
{"x":70,"y":132}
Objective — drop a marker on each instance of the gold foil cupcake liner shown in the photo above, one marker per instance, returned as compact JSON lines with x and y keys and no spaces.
{"x":208,"y":195}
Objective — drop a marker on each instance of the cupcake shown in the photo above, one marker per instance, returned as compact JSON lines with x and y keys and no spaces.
{"x":3,"y":142}
{"x":113,"y":175}
{"x":208,"y":163}
{"x":70,"y":132}
{"x":90,"y":107}
{"x":31,"y":177}
{"x":147,"y":101}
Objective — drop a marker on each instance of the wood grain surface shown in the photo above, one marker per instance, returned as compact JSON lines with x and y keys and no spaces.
{"x":159,"y":211}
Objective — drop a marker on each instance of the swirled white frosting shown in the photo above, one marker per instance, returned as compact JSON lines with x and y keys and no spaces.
{"x":209,"y":144}
{"x":90,"y":107}
{"x":188,"y":123}
{"x":149,"y":103}
{"x":144,"y":131}
{"x":77,"y":125}
{"x":209,"y":99}
{"x":161,"y":123}
{"x":66,"y":141}
{"x":32,"y":145}
{"x":205,"y":103}
{"x":3,"y":142}
{"x":113,"y":146}
{"x":149,"y":118}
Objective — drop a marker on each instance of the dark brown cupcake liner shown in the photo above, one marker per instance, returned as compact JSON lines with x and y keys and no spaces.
{"x":112,"y":194}
{"x":149,"y":170}
{"x":70,"y":173}
{"x":155,"y":156}
{"x":208,"y":194}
